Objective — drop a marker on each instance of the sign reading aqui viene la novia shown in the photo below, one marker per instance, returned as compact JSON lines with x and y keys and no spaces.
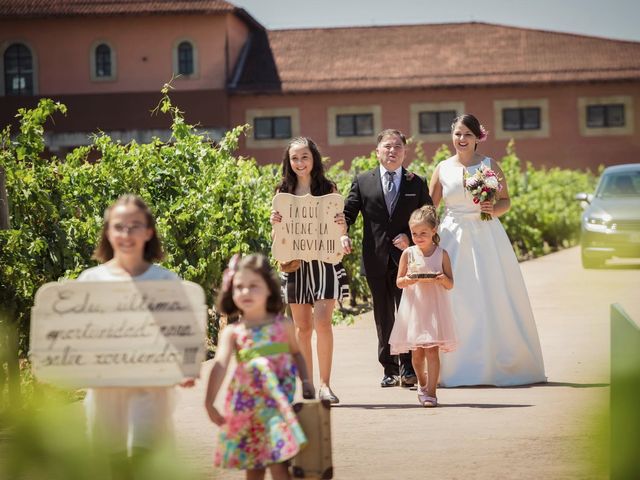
{"x":308,"y":230}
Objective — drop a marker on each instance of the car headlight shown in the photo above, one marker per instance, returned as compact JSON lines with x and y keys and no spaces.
{"x":596,"y":224}
{"x":596,"y":221}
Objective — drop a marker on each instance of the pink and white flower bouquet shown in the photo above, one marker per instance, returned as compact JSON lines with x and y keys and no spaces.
{"x":483,"y":185}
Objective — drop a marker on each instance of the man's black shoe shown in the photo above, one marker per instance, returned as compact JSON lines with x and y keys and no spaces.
{"x":408,"y":381}
{"x":389,"y":381}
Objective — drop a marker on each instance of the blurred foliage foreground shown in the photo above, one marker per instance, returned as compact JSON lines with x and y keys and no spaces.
{"x":49,"y":442}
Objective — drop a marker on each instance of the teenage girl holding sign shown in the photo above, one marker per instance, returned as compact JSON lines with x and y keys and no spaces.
{"x":312,"y":289}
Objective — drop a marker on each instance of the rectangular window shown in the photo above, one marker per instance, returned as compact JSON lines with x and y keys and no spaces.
{"x":521,"y":119}
{"x":357,"y":125}
{"x":265,"y":128}
{"x":436,"y":122}
{"x":604,"y":116}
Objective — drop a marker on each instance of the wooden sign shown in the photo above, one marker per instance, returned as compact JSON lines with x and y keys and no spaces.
{"x":90,"y":334}
{"x":308,"y":230}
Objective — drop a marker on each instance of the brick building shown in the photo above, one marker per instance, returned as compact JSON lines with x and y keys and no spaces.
{"x":567,"y":100}
{"x":108,"y":60}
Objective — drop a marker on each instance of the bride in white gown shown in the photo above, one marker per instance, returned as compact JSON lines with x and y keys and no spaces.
{"x":498,"y":340}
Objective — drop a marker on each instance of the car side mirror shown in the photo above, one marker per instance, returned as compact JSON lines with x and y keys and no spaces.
{"x":584,"y":197}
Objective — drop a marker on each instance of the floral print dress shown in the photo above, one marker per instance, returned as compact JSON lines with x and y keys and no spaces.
{"x":260,"y":426}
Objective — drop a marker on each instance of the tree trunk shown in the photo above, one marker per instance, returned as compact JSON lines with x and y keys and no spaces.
{"x":4,"y":204}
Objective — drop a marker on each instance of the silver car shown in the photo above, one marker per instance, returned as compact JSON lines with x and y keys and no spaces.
{"x":611,"y":218}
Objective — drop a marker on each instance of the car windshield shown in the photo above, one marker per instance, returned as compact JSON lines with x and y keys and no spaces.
{"x":621,"y":184}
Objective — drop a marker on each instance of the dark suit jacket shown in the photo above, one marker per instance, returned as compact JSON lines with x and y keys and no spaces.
{"x":380,"y":228}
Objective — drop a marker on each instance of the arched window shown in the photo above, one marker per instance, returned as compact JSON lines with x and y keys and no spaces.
{"x":18,"y":70}
{"x":103,"y":61}
{"x":185,"y":58}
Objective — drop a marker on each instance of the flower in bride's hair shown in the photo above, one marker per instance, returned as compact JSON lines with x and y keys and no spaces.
{"x":229,"y":272}
{"x":483,"y":134}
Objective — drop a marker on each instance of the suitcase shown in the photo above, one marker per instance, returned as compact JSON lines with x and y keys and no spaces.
{"x":314,"y":460}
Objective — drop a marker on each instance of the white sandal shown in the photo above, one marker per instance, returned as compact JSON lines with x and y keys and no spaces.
{"x":325,"y":393}
{"x":426,"y":400}
{"x":430,"y":402}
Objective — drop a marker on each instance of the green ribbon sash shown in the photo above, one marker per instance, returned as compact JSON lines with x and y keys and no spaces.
{"x":247,"y":354}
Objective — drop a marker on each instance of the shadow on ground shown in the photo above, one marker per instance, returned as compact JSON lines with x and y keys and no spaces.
{"x":378,"y":406}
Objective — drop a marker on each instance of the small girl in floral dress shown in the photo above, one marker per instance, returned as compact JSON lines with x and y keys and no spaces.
{"x":259,"y":428}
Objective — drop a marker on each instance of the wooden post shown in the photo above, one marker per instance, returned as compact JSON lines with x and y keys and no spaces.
{"x":9,"y":337}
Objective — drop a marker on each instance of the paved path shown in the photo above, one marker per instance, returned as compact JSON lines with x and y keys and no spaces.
{"x":544,"y":431}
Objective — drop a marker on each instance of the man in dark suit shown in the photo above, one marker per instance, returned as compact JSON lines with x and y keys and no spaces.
{"x":386,"y":196}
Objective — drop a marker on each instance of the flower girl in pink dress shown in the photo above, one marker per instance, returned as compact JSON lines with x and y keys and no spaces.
{"x":424,"y":322}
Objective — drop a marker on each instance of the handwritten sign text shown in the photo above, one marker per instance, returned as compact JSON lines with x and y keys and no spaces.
{"x":86,"y":334}
{"x":308,"y":230}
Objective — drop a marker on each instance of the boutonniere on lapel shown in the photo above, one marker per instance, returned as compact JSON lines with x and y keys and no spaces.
{"x":408,"y":176}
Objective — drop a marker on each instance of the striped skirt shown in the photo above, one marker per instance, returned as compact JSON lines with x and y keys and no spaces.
{"x":313,"y":281}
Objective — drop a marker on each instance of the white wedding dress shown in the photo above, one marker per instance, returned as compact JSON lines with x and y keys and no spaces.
{"x":497,"y":338}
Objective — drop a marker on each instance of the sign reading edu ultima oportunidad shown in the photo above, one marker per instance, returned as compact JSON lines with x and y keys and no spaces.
{"x":90,"y":334}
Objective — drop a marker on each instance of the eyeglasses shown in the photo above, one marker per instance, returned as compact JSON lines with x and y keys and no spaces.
{"x":128,"y":229}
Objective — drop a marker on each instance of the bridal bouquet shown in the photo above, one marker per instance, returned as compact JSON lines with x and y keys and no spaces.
{"x":483,"y":186}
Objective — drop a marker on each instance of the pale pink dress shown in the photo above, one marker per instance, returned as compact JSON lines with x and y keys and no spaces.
{"x":425,"y":316}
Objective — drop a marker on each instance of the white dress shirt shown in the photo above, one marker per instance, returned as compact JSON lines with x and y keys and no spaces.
{"x":396,"y":178}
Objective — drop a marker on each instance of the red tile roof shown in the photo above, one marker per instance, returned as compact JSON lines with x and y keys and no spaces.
{"x":53,"y":8}
{"x":437,"y":55}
